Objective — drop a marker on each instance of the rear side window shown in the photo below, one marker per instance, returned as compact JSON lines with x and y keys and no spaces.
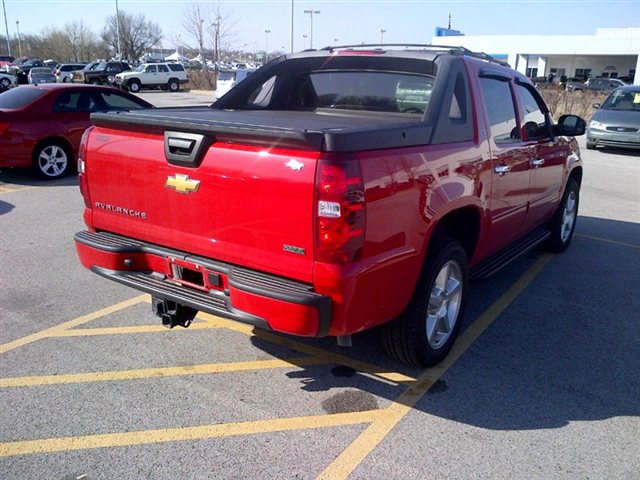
{"x":500,"y":110}
{"x":20,"y":97}
{"x":534,"y":123}
{"x":162,"y":68}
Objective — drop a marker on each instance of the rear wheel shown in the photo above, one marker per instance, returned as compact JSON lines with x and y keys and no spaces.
{"x":564,"y":221}
{"x":424,"y":334}
{"x":173,"y":85}
{"x":51,"y":159}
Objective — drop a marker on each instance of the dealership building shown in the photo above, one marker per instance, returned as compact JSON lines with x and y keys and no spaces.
{"x":611,"y":52}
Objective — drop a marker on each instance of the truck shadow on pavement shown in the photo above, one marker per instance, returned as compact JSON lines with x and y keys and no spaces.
{"x":565,"y":350}
{"x":22,"y":177}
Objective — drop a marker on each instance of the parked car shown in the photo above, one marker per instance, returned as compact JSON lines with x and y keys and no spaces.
{"x":21,"y":68}
{"x":39,"y":75}
{"x":595,"y":84}
{"x":41,"y":125}
{"x":616,"y":123}
{"x":102,"y":74}
{"x":64,"y":72}
{"x":5,"y":61}
{"x":227,"y":79}
{"x":168,"y":76}
{"x":7,"y":81}
{"x":78,"y":75}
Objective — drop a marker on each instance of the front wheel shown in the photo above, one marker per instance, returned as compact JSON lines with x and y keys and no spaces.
{"x":424,"y":334}
{"x":51,"y":160}
{"x":134,"y":86}
{"x":563,"y":223}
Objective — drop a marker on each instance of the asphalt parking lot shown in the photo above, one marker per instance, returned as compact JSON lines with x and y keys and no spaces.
{"x":544,"y":381}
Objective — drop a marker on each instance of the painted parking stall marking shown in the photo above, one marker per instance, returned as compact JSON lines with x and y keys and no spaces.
{"x":376,"y":423}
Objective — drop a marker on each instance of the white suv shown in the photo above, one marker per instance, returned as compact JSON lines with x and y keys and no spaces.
{"x":168,"y":76}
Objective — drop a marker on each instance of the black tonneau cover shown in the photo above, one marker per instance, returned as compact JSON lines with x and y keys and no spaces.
{"x":320,"y":130}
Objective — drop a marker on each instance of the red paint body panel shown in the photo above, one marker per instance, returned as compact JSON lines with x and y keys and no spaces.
{"x":248,"y":205}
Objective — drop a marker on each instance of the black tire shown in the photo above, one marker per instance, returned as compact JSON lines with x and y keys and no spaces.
{"x":51,"y":159}
{"x":564,"y":221}
{"x":591,"y":146}
{"x":133,"y":86}
{"x":424,"y":334}
{"x":5,"y":83}
{"x":173,"y":85}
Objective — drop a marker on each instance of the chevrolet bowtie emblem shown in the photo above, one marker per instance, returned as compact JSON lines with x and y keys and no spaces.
{"x":182,"y":184}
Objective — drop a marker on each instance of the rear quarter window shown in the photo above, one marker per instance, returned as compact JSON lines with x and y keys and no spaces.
{"x":176,"y":67}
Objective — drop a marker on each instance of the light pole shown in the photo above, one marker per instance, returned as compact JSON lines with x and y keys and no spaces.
{"x":382,"y":32}
{"x":19,"y":45}
{"x":6,"y":27}
{"x":311,"y":13}
{"x":266,"y":45}
{"x":201,"y":40}
{"x":216,"y":40}
{"x":304,"y":41}
{"x":118,"y":31}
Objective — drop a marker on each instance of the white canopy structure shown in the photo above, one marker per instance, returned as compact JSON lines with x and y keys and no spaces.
{"x":176,"y":57}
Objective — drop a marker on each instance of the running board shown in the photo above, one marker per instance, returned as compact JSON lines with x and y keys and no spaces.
{"x":491,"y":265}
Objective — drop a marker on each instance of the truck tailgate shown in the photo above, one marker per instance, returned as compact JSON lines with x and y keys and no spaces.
{"x":243,"y":204}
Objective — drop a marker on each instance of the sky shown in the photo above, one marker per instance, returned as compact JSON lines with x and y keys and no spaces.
{"x":339,"y":22}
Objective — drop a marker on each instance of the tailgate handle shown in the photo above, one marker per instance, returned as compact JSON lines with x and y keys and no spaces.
{"x":180,"y":146}
{"x":185,"y":149}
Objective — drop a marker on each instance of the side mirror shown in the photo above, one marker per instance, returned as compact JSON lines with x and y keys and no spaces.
{"x":596,"y":105}
{"x":570,"y":125}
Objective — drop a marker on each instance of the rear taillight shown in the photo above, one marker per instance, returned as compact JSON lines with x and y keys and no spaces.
{"x":82,"y":167}
{"x":340,"y":212}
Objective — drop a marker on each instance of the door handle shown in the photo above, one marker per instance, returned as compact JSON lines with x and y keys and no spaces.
{"x":502,"y":169}
{"x":537,"y":162}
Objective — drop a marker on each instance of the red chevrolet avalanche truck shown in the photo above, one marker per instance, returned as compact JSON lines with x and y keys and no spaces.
{"x":331,"y":192}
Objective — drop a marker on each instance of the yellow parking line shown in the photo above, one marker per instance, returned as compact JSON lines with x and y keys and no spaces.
{"x":362,"y":446}
{"x":65,"y":444}
{"x":608,"y":240}
{"x":4,"y":189}
{"x":20,"y":342}
{"x":88,"y":332}
{"x":161,"y":372}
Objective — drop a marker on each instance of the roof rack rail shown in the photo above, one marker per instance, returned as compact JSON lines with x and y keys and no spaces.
{"x":453,"y":49}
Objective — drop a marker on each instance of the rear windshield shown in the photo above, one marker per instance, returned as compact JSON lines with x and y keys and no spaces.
{"x":371,"y":91}
{"x":226,"y":76}
{"x":20,"y":97}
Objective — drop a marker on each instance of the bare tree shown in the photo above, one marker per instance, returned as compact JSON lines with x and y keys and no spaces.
{"x":194,"y":18}
{"x":137,"y":34}
{"x":199,"y":20}
{"x":223,"y":30}
{"x":84,"y":44}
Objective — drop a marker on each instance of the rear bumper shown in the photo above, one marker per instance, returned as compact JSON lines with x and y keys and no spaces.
{"x":248,"y":296}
